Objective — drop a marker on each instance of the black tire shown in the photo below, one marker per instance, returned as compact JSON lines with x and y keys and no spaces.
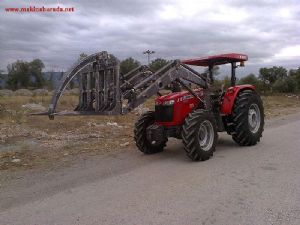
{"x":245,"y":104}
{"x":191,"y":139}
{"x":140,"y":138}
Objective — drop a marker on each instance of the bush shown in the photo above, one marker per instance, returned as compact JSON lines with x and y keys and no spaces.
{"x":226,"y":82}
{"x":286,"y":85}
{"x":23,"y":92}
{"x":6,"y":92}
{"x":252,"y":79}
{"x":295,"y":74}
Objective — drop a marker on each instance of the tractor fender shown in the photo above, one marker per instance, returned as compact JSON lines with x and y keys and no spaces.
{"x":229,"y":97}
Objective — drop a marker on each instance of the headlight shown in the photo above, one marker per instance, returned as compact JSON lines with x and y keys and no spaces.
{"x":170,"y":102}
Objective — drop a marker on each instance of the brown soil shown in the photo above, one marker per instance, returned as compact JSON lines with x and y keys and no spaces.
{"x":37,"y":142}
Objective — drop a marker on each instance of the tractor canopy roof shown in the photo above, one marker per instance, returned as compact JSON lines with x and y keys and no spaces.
{"x":216,"y":59}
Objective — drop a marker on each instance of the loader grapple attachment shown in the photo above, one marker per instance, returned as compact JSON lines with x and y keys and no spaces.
{"x":104,"y":91}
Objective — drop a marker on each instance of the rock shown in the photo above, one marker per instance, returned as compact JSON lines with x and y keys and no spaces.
{"x":140,"y":110}
{"x":40,"y":92}
{"x":23,"y":92}
{"x":34,"y":106}
{"x":3,"y":138}
{"x":95,"y":136}
{"x":112,"y":124}
{"x":6,"y":92}
{"x":124,"y":144}
{"x":93,"y":124}
{"x":16,"y":160}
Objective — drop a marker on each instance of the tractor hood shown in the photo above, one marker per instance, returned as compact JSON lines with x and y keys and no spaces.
{"x":177,"y":96}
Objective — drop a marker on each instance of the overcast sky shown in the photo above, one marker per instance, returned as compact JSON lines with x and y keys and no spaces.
{"x":268,"y":31}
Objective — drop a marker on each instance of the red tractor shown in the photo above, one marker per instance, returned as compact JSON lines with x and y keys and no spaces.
{"x":194,"y":115}
{"x":184,"y":115}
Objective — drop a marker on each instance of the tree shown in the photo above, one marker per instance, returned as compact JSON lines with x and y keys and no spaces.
{"x":215,"y":71}
{"x":249,"y":79}
{"x":1,"y":79}
{"x":23,"y":74}
{"x":73,"y":83}
{"x":252,"y":79}
{"x":285,"y":85}
{"x":128,"y":64}
{"x":18,"y":75}
{"x":225,"y":83}
{"x":35,"y":69}
{"x":295,"y":74}
{"x":157,"y":64}
{"x":82,"y":56}
{"x":270,"y":75}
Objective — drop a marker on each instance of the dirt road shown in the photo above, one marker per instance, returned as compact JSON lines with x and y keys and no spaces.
{"x":239,"y":185}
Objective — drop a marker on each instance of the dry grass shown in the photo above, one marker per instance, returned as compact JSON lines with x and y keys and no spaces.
{"x":39,"y":142}
{"x":280,"y":105}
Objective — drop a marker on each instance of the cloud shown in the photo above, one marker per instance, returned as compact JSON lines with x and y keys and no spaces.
{"x":174,"y":29}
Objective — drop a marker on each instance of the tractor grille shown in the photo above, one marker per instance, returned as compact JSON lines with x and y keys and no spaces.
{"x":164,"y":113}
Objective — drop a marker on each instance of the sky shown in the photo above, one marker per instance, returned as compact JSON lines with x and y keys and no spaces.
{"x":267,"y":31}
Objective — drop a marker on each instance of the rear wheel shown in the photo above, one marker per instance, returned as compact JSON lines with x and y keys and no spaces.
{"x":199,"y":135}
{"x":247,"y":118}
{"x":140,"y":135}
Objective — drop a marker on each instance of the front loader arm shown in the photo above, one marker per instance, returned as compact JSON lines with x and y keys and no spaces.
{"x":103,"y":91}
{"x":175,"y":72}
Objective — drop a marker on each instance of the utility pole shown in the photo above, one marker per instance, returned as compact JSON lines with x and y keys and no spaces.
{"x":148,"y":52}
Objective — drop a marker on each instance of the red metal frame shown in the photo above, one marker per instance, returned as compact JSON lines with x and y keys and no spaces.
{"x":229,"y":97}
{"x":184,"y":103}
{"x":216,"y":59}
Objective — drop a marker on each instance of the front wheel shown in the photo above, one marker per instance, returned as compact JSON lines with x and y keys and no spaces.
{"x":140,"y":134}
{"x":248,"y":118}
{"x":199,"y":135}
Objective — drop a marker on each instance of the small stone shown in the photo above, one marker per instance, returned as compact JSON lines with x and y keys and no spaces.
{"x":16,"y":160}
{"x":114,"y":124}
{"x":34,"y":106}
{"x":140,"y":110}
{"x":124,"y":144}
{"x":94,"y":135}
{"x":111,"y":124}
